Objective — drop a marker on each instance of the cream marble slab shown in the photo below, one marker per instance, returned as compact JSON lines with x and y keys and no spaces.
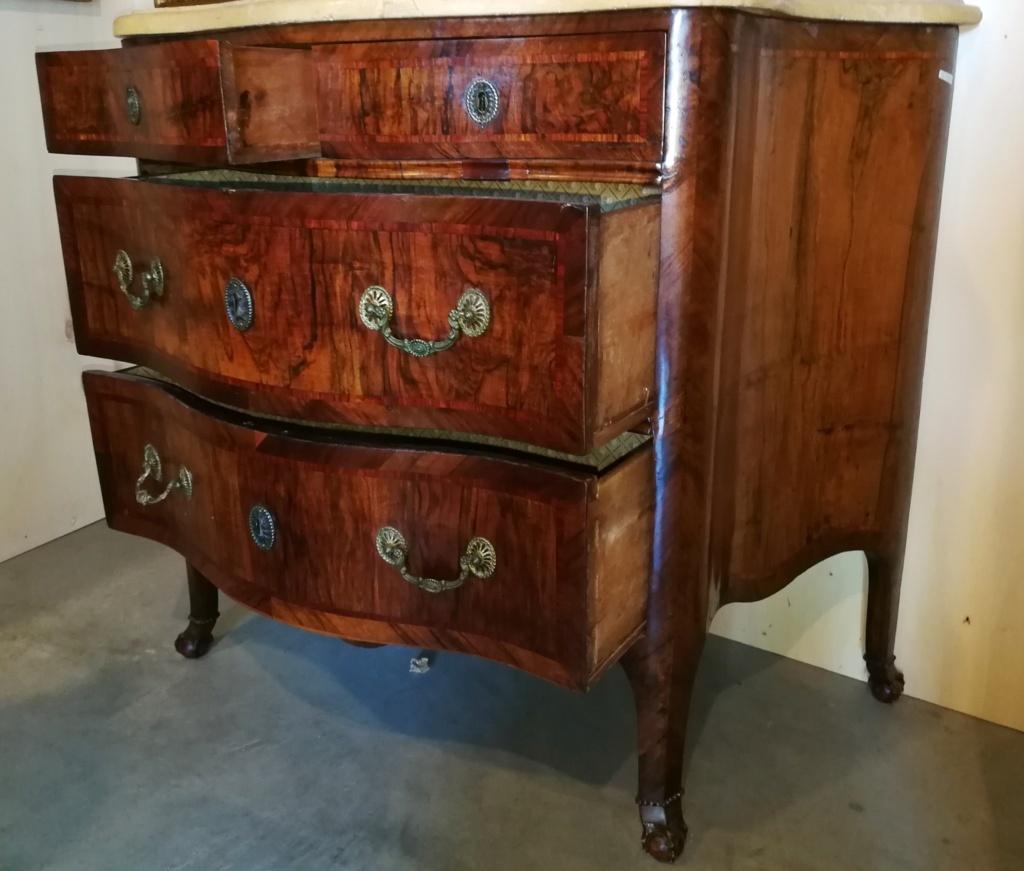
{"x":253,"y":13}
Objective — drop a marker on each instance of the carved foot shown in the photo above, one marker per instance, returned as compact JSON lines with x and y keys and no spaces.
{"x":196,"y":640}
{"x":886,"y":681}
{"x":664,"y":829}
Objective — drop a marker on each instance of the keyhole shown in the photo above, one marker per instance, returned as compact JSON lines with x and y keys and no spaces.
{"x":481,"y":101}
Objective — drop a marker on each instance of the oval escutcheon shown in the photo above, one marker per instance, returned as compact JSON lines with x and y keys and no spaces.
{"x":262,"y":527}
{"x":238,"y":304}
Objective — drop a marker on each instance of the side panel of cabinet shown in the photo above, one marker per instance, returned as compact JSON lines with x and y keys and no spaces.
{"x":838,"y":166}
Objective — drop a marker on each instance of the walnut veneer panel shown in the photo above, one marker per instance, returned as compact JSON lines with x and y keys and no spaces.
{"x":839,"y":145}
{"x":598,"y":97}
{"x":329,"y":499}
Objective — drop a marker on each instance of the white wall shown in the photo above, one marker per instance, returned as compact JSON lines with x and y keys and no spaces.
{"x":966,"y":549}
{"x":47,"y":473}
{"x":961,"y":636}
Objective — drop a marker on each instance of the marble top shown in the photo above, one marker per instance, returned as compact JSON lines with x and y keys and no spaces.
{"x":254,"y":13}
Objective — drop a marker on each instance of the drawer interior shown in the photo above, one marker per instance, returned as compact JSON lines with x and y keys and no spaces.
{"x":598,"y":460}
{"x":607,"y":196}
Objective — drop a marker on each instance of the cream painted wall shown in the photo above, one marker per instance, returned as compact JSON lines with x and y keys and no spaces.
{"x":961,"y":635}
{"x":47,"y":473}
{"x":966,"y":552}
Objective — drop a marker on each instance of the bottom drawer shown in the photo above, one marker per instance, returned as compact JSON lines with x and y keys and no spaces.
{"x":345,"y":537}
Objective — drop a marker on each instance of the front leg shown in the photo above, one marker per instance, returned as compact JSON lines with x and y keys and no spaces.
{"x":195,"y":641}
{"x":884,"y":574}
{"x":662,"y":679}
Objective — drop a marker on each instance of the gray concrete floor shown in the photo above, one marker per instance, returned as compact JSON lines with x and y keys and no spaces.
{"x":285,"y":750}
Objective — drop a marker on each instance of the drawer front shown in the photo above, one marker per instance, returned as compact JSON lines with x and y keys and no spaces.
{"x":594,"y":97}
{"x":527,"y":363}
{"x":197,"y":101}
{"x":289,"y":525}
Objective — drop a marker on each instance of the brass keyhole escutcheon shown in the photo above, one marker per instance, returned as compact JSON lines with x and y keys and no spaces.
{"x":262,"y":527}
{"x":238,"y":304}
{"x":482,"y":101}
{"x":133,"y":104}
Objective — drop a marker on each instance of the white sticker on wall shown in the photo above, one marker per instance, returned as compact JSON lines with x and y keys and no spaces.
{"x":946,"y":76}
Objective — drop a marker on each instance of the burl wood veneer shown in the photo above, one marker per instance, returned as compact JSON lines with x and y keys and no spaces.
{"x":762,"y":319}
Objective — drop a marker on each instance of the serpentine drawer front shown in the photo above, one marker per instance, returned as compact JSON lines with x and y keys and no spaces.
{"x":537,"y":565}
{"x":522,"y":319}
{"x":200,"y":101}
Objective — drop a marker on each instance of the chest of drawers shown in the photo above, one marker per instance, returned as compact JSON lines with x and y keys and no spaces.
{"x":534,"y":337}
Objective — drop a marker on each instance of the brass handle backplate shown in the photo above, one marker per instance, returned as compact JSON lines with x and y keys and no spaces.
{"x":152,"y":467}
{"x":478,"y":561}
{"x":152,"y":280}
{"x":471,"y":316}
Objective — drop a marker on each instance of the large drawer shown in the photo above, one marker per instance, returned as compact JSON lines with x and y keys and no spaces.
{"x":554,"y":559}
{"x":308,"y":305}
{"x":196,"y":101}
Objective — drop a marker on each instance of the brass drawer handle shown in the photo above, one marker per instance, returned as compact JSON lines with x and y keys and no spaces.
{"x":471,"y":315}
{"x":152,"y":467}
{"x":152,"y":279}
{"x":479,"y":561}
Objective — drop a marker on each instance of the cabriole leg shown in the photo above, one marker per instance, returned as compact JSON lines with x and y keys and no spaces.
{"x":198,"y":636}
{"x":884,"y":574}
{"x":662,"y":686}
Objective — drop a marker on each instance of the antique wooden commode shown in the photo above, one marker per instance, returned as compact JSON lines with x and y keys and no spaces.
{"x":537,"y":336}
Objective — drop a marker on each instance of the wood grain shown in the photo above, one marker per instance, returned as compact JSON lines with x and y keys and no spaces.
{"x":839,"y":148}
{"x":330,"y":498}
{"x":83,"y":95}
{"x":598,"y":97}
{"x":269,"y":110}
{"x":625,"y":314}
{"x":307,"y":259}
{"x":202,"y":102}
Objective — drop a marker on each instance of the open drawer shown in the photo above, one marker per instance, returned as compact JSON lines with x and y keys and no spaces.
{"x":456,"y":309}
{"x":196,"y":101}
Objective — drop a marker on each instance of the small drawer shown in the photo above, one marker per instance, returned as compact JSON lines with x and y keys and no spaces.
{"x":521,"y":319}
{"x":530,"y":563}
{"x":593,"y":97}
{"x":195,"y":101}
